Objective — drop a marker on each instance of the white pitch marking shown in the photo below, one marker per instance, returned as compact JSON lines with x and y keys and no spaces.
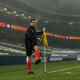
{"x":68,"y":72}
{"x":64,"y":69}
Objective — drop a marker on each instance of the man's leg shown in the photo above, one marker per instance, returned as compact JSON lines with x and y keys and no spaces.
{"x":37,"y":54}
{"x":29,"y":63}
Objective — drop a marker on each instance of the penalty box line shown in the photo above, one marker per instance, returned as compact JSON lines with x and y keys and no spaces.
{"x":64,"y":69}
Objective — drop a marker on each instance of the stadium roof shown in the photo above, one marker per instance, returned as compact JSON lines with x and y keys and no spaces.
{"x":54,"y":7}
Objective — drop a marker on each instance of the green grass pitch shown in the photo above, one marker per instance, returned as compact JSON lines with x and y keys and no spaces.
{"x":64,"y":70}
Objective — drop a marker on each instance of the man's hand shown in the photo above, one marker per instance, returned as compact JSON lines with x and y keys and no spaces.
{"x":44,"y":29}
{"x":39,"y":39}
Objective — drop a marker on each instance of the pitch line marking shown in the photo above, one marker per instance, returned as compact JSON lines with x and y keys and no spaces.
{"x":64,"y":69}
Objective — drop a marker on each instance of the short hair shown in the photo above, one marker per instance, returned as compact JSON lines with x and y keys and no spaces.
{"x":32,"y":20}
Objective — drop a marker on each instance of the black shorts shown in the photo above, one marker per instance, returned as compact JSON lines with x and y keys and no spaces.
{"x":29,"y":49}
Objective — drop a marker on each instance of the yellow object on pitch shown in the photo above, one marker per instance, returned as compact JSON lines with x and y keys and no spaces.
{"x":44,"y":39}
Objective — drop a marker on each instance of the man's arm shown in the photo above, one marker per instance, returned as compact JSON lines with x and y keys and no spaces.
{"x":28,"y":34}
{"x":39,"y":33}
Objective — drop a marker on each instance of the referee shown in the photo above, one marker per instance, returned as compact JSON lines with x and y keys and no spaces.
{"x":31,"y":43}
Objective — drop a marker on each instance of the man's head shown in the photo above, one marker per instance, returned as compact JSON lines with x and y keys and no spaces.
{"x":32,"y":22}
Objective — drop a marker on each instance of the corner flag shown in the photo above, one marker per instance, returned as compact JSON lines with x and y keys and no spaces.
{"x":44,"y":39}
{"x":45,"y":42}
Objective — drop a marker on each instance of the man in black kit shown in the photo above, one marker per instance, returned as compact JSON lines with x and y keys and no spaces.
{"x":31,"y":43}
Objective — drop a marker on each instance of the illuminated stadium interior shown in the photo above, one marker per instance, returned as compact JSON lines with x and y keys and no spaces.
{"x":61,"y":21}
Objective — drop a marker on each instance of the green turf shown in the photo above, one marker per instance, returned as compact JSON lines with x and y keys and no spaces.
{"x":19,"y":72}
